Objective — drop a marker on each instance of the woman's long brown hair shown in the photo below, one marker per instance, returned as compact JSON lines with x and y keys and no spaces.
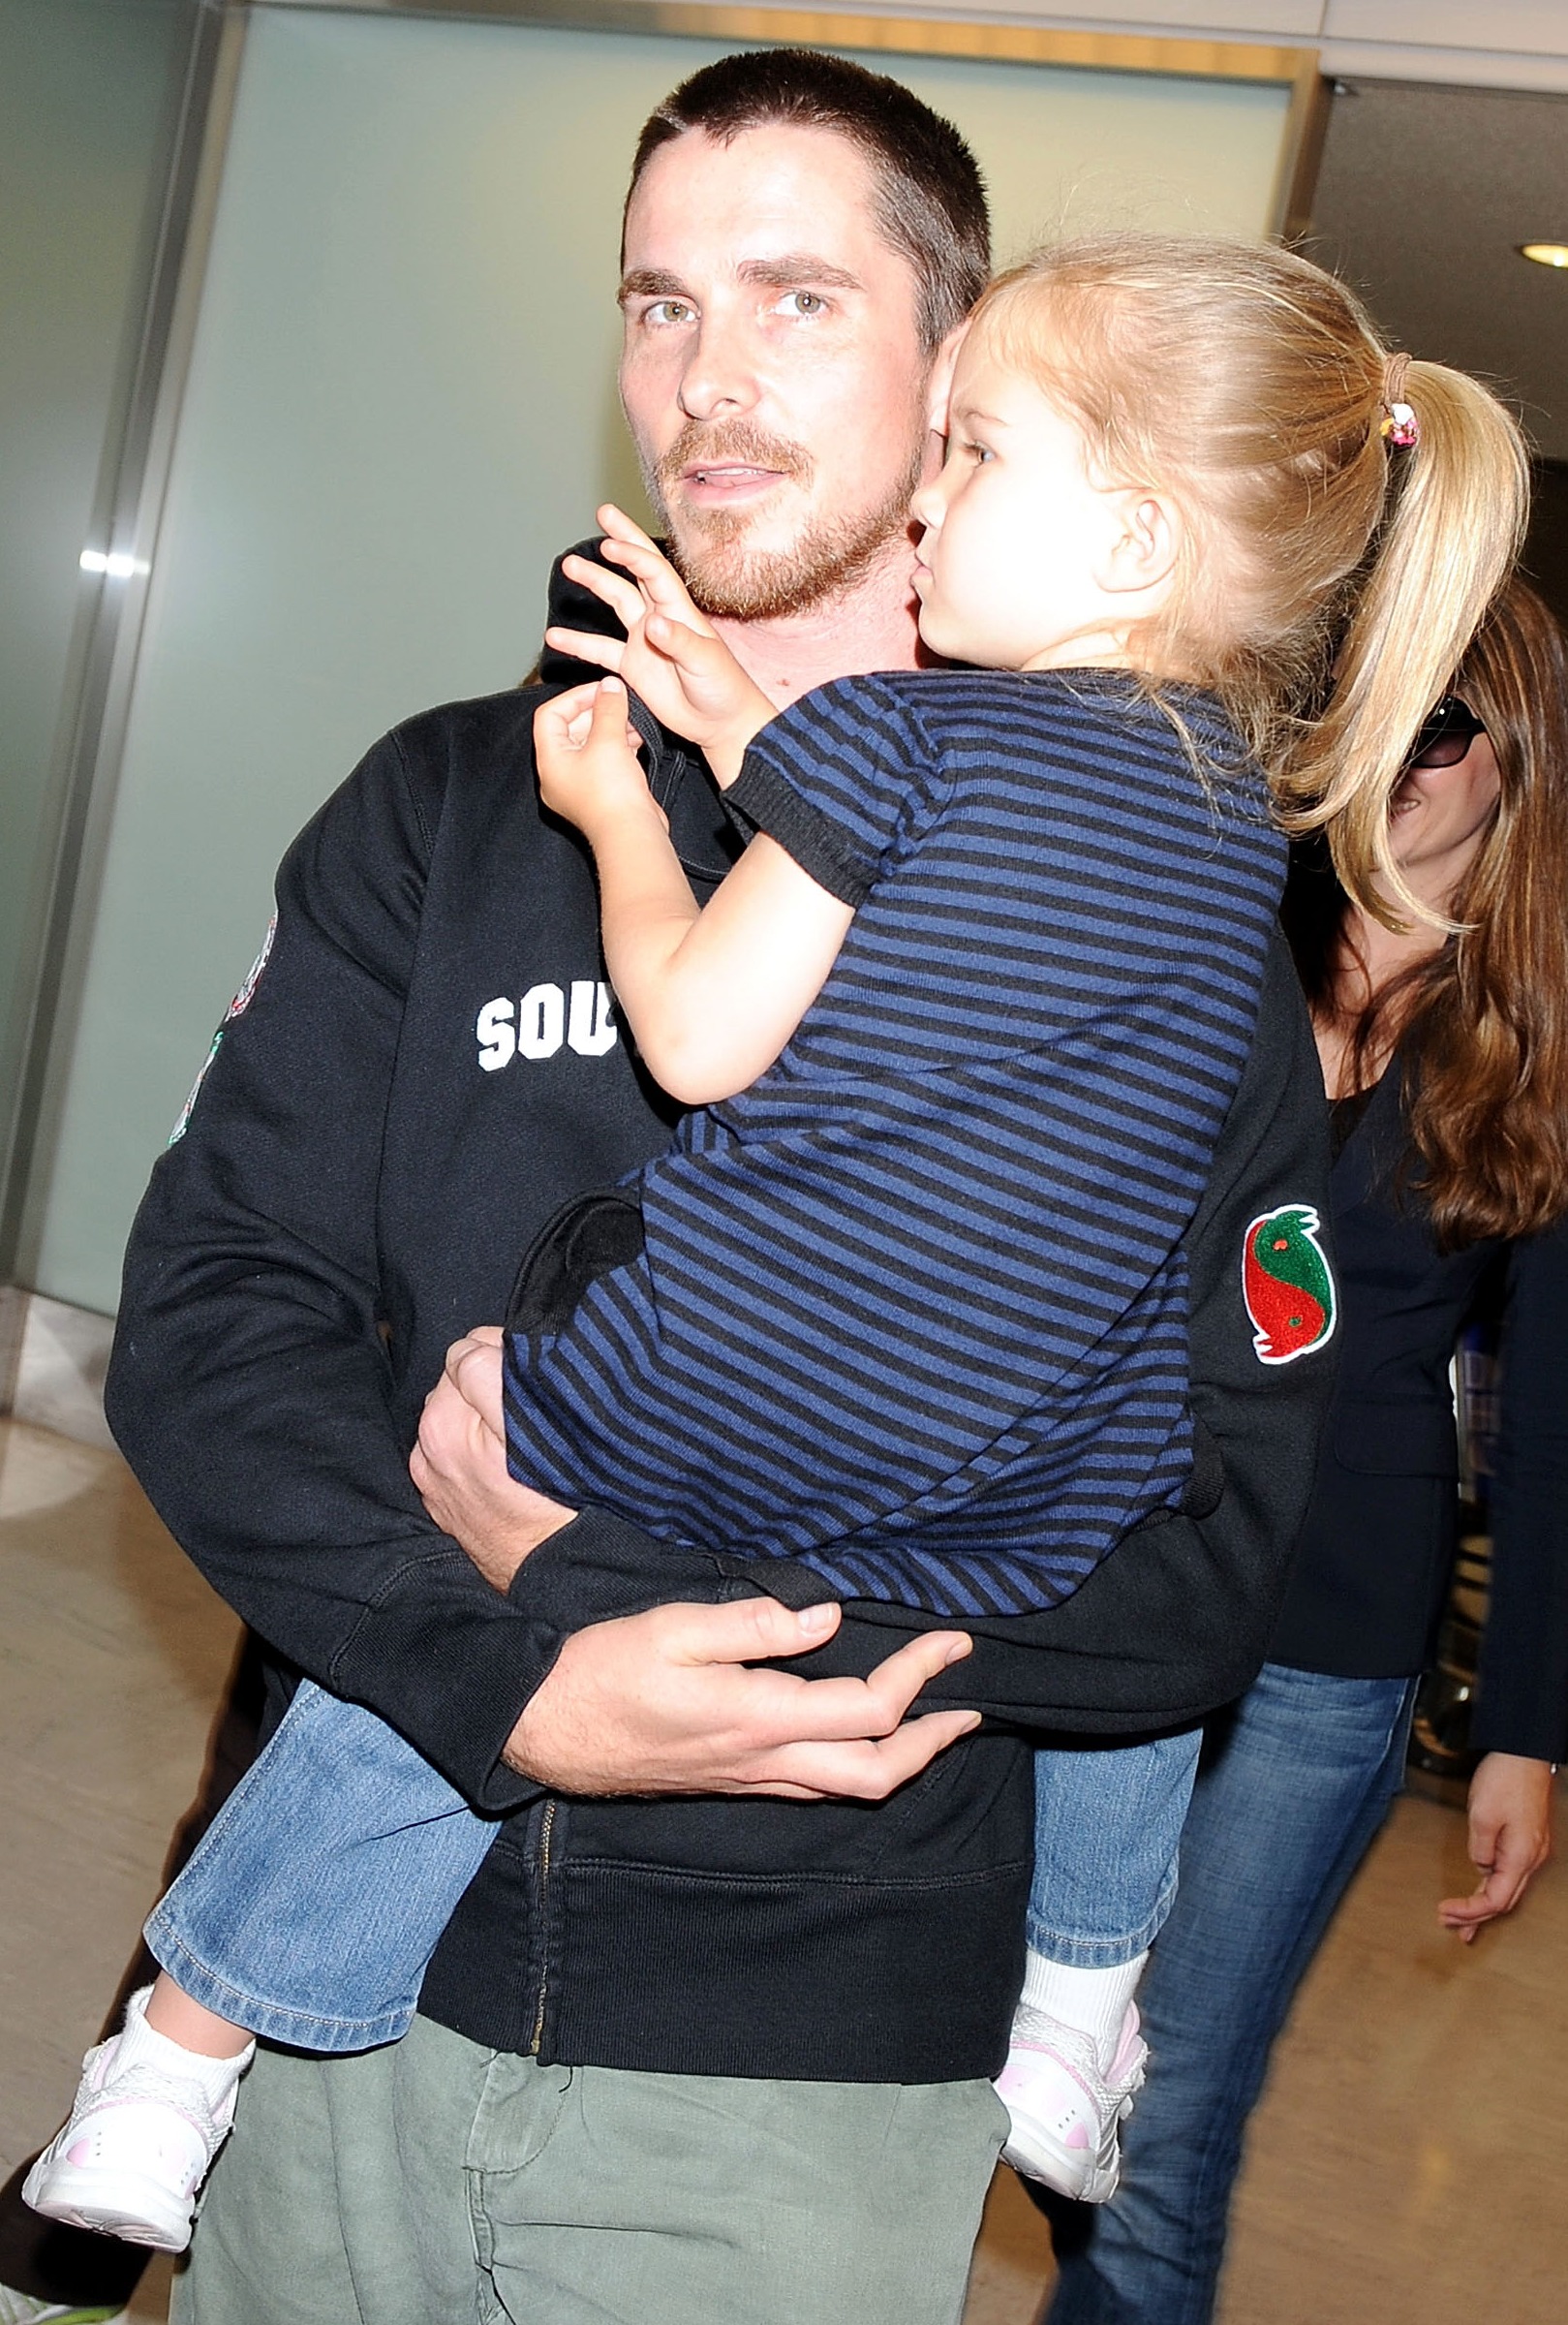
{"x":1483,"y":1024}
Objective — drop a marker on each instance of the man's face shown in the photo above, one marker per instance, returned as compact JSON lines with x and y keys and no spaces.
{"x":772,"y":370}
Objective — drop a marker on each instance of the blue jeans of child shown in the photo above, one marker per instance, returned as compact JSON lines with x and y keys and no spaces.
{"x":1108,"y":1823}
{"x":316,"y":1898}
{"x":1293,"y":1786}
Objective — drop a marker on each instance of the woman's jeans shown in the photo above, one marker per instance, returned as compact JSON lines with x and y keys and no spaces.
{"x":316,"y":1898}
{"x":1292,"y":1788}
{"x":318,"y":1895}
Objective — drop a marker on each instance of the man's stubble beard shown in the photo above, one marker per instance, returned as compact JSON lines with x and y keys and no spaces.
{"x":826,"y":560}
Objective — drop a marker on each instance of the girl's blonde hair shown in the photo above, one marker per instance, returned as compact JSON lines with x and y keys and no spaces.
{"x":1329,"y":580}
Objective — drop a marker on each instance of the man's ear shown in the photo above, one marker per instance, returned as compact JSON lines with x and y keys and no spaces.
{"x":940,"y":385}
{"x":1146,"y":544}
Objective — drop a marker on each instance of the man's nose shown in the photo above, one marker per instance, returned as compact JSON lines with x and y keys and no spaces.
{"x":720,"y":378}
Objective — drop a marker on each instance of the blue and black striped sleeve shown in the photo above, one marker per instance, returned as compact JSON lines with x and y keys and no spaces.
{"x":847,"y":781}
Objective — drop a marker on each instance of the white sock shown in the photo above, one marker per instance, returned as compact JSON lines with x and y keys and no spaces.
{"x":140,"y":2042}
{"x":1094,"y":2000}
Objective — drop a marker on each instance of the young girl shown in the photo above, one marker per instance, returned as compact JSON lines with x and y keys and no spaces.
{"x":904,"y":1302}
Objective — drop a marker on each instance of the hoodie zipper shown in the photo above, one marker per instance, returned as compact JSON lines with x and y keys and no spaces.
{"x":546,"y":1827}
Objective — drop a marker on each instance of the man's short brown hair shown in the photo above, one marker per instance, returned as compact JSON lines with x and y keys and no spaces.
{"x":931,"y":202}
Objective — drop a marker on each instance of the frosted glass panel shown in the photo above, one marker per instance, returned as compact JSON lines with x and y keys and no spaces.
{"x":401,"y":406}
{"x":86,"y":89}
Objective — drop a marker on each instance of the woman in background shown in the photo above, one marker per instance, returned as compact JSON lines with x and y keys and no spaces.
{"x":1445,"y":1058}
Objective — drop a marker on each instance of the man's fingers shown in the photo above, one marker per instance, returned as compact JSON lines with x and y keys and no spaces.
{"x":747,"y":1630}
{"x":483,"y":1336}
{"x":896,"y":1682}
{"x":863,"y":1770}
{"x":476,"y":1378}
{"x":448,"y":1427}
{"x":850,"y":1710}
{"x":750,"y":1630}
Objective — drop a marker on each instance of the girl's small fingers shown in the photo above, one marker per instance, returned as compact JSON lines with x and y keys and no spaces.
{"x":623,"y":598}
{"x":652,"y":569}
{"x":587,"y":645}
{"x":662,"y":585}
{"x":557,"y":713}
{"x":689,"y":649}
{"x":621,"y":527}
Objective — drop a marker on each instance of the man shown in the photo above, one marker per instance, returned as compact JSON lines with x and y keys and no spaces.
{"x":678,"y":2058}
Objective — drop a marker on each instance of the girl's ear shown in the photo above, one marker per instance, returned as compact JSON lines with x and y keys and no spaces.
{"x":940,"y":388}
{"x":1145,"y":544}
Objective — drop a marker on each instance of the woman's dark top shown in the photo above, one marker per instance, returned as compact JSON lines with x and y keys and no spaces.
{"x":1373,"y":1558}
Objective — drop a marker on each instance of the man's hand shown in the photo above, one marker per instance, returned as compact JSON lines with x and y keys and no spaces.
{"x":666,"y":1702}
{"x":1510,"y":1838}
{"x":459,"y":1465}
{"x":671,"y":655}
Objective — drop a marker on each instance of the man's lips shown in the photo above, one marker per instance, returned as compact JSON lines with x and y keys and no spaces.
{"x":727,"y":480}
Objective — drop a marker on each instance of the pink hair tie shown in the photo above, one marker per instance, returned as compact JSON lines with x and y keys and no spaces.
{"x":1399,"y":425}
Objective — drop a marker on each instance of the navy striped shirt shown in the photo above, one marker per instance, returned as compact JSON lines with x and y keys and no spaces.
{"x":912,"y":1308}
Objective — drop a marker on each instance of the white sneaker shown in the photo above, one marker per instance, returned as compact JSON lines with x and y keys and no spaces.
{"x":22,"y":2308}
{"x":147,"y":2121}
{"x":1065,"y":2109}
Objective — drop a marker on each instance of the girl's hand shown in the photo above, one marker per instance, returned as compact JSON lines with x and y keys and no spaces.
{"x":587,"y":758}
{"x":1510,"y":1838}
{"x":672,"y":656}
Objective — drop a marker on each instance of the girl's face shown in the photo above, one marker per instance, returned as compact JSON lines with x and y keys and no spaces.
{"x":1018,"y":565}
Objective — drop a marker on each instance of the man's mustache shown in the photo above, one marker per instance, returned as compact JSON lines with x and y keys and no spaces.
{"x":701,"y":444}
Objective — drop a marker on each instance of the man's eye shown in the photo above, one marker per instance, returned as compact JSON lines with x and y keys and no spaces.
{"x":801,"y":302}
{"x":662,"y":311}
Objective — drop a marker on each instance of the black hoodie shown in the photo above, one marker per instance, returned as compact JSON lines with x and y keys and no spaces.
{"x":425,"y":1072}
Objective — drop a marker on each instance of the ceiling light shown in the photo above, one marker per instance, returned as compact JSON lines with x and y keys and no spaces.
{"x":1545,"y":254}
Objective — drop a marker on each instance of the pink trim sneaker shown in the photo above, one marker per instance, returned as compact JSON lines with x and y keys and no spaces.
{"x":147,"y":2121}
{"x":1064,"y":2110}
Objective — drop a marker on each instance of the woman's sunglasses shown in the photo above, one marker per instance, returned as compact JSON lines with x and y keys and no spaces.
{"x":1446,"y":735}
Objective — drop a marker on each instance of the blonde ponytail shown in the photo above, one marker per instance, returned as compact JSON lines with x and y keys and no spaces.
{"x":1458,"y":498}
{"x":1331,"y":575}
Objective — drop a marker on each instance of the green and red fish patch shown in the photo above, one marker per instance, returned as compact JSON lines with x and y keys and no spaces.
{"x":1287,"y":1285}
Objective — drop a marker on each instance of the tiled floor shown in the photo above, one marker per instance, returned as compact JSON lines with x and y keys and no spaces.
{"x":1407,"y":2162}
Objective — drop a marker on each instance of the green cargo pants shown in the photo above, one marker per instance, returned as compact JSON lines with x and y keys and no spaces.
{"x":436,"y":2183}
